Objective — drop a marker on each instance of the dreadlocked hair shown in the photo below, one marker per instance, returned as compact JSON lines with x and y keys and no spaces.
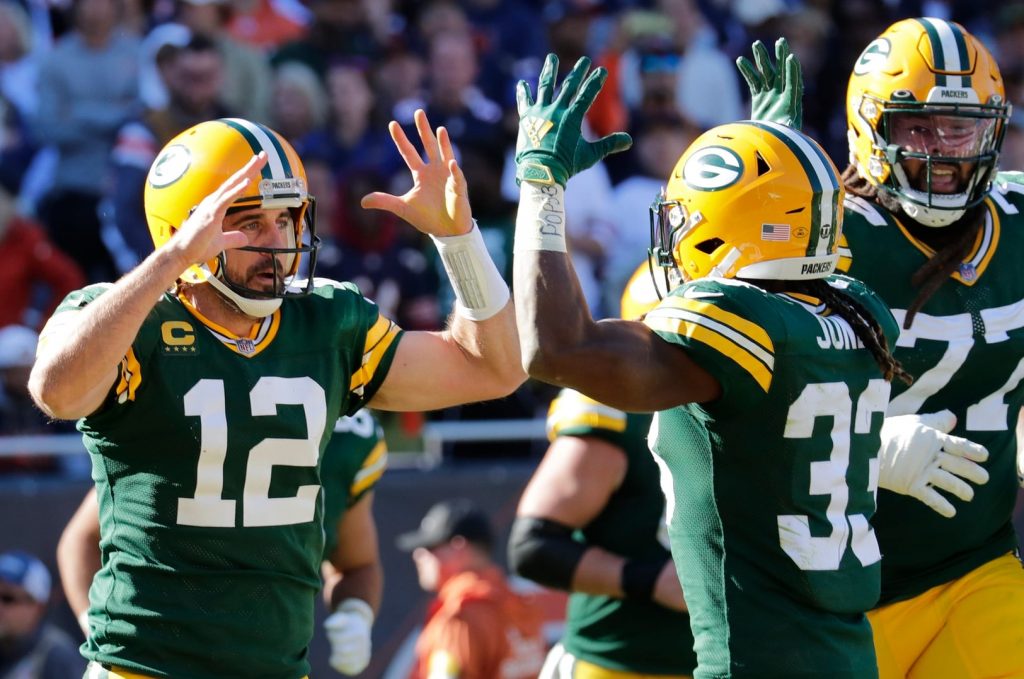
{"x":940,"y":266}
{"x":863,"y":323}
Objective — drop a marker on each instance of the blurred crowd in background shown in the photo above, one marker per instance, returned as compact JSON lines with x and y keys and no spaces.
{"x":90,"y":90}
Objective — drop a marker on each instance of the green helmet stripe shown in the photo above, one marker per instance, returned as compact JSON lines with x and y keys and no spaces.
{"x":949,"y":47}
{"x":824,"y":184}
{"x":262,"y":139}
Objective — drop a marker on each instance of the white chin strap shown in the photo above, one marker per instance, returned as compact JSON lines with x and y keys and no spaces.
{"x":257,"y":308}
{"x":945,"y":208}
{"x":930,"y":216}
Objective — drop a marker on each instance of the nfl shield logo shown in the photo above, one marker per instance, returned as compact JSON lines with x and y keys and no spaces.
{"x":968,"y":272}
{"x":245,"y":345}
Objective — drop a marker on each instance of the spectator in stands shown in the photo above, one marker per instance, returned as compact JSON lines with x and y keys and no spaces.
{"x":193,"y":75}
{"x":28,"y":262}
{"x":19,"y":64}
{"x":658,"y":141}
{"x":366,"y":247}
{"x":477,"y":627}
{"x":88,"y":86}
{"x":30,"y":648}
{"x":247,"y":76}
{"x":702,"y":67}
{"x":18,"y":415}
{"x":339,"y":29}
{"x":398,"y":76}
{"x":452,"y":97}
{"x":298,"y":102}
{"x":508,"y":43}
{"x":350,"y":140}
{"x":268,"y":24}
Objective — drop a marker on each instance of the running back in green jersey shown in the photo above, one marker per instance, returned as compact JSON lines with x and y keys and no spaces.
{"x":206,"y":461}
{"x":623,"y":634}
{"x":355,"y":459}
{"x":965,"y":348}
{"x":770,"y":488}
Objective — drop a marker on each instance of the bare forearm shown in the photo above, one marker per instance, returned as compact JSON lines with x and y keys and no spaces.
{"x":599,"y":572}
{"x":77,"y":364}
{"x":365,"y":582}
{"x":492,"y":346}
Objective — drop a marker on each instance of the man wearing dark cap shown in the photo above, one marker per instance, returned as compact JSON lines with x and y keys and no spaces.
{"x":30,"y":648}
{"x":476,"y":627}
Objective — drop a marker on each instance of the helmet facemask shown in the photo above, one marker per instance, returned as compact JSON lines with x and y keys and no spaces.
{"x":941,"y":139}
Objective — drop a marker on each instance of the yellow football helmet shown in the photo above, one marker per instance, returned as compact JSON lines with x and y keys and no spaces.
{"x":937,"y":80}
{"x":195,"y":163}
{"x":753,"y":200}
{"x":642,"y":293}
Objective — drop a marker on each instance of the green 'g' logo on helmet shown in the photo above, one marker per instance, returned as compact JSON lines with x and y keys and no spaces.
{"x":712,"y":168}
{"x":873,"y":57}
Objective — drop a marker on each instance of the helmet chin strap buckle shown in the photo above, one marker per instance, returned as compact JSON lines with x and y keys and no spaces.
{"x":721,"y":270}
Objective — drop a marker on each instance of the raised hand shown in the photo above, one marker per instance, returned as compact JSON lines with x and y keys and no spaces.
{"x":551,"y":147}
{"x":776,"y":90}
{"x":202,"y":237}
{"x":438,"y":202}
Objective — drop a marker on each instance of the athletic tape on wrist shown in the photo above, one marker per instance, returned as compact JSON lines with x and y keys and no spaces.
{"x":540,"y":222}
{"x":480,"y":291}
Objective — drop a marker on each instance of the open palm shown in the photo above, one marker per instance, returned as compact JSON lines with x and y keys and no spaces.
{"x":438,"y":202}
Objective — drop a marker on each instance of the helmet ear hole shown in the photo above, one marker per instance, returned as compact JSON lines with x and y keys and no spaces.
{"x":710,"y":245}
{"x":762,"y":166}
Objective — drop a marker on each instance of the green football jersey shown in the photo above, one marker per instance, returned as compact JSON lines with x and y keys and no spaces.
{"x":206,"y":461}
{"x":965,"y":349}
{"x":355,"y":459}
{"x":770,"y":488}
{"x":623,"y":634}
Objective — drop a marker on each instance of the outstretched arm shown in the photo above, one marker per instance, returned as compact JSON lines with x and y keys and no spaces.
{"x":477,"y":357}
{"x":620,"y":363}
{"x":776,"y":90}
{"x":79,"y":351}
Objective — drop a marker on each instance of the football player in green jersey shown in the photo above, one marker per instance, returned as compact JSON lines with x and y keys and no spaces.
{"x":353,"y":462}
{"x":936,"y":231}
{"x":591,"y":521}
{"x":206,"y":381}
{"x":768,"y":375}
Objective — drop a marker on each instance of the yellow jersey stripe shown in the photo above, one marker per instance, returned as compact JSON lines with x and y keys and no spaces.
{"x":981,"y":253}
{"x":131,"y":377}
{"x":740,"y":324}
{"x":371,"y":471}
{"x":378,"y":339}
{"x":723,"y":344}
{"x":573,"y":409}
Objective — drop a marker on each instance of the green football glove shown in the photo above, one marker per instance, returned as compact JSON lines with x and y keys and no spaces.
{"x":775,"y":95}
{"x":551,"y":147}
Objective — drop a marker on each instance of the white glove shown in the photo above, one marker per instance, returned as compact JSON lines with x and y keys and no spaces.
{"x":917,"y":456}
{"x":348,"y":630}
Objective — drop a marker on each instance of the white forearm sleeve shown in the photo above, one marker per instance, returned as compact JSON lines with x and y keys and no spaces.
{"x":480,"y":290}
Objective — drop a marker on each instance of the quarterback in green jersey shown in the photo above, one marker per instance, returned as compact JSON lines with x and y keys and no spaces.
{"x":353,"y":462}
{"x":933,"y":228}
{"x":205,"y":383}
{"x":768,"y":376}
{"x":591,"y":521}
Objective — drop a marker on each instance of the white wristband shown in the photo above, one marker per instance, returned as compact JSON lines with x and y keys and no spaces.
{"x":480,"y":290}
{"x":540,"y":222}
{"x":83,"y":622}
